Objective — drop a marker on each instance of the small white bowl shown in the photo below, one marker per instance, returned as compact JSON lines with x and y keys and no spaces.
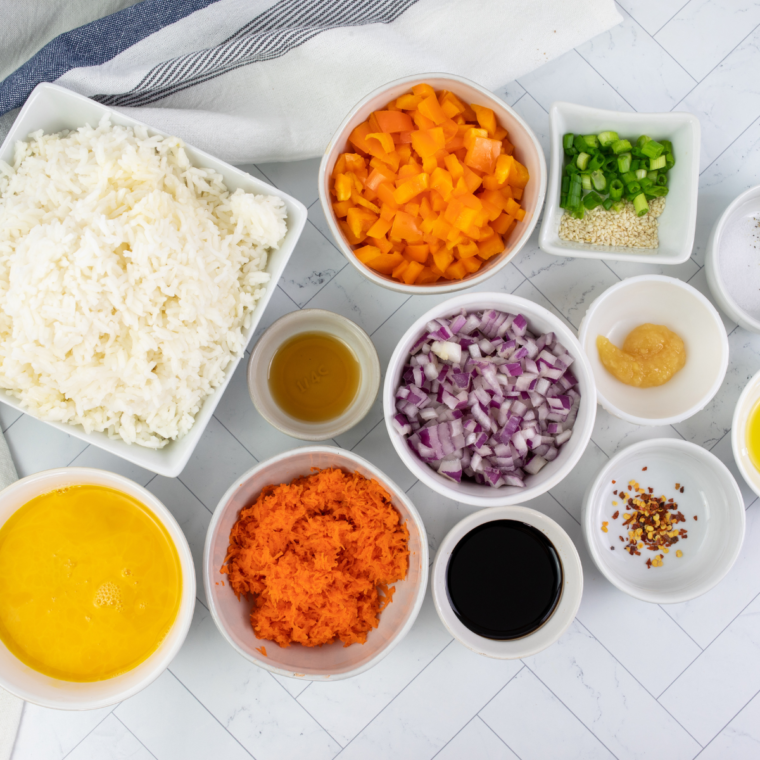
{"x":738,"y":226}
{"x":28,"y":684}
{"x":539,"y":320}
{"x":681,"y":308}
{"x":749,"y":397}
{"x":313,"y":320}
{"x":232,"y":615}
{"x":678,"y":221}
{"x":527,"y":150}
{"x":715,"y":538}
{"x":52,"y":109}
{"x":561,"y":618}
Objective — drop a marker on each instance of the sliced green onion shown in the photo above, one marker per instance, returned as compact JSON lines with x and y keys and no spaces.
{"x":607,"y":203}
{"x":611,"y":164}
{"x":586,"y":181}
{"x":640,"y":205}
{"x":591,"y":140}
{"x":563,"y":200}
{"x":620,"y":146}
{"x":579,"y":211}
{"x":657,"y":163}
{"x":617,"y":206}
{"x":653,"y":149}
{"x":579,"y":143}
{"x":567,"y":143}
{"x":637,"y":152}
{"x":571,"y":168}
{"x":633,"y":188}
{"x":583,"y":159}
{"x":607,"y":138}
{"x":628,"y":177}
{"x":646,"y":183}
{"x":565,"y":184}
{"x":662,"y":179}
{"x":592,"y":200}
{"x":598,"y":180}
{"x":670,"y":161}
{"x":597,"y":162}
{"x":641,"y":173}
{"x":658,"y":192}
{"x":616,"y":190}
{"x":624,"y":163}
{"x":635,"y":165}
{"x":652,"y":175}
{"x":667,"y":145}
{"x":642,"y":141}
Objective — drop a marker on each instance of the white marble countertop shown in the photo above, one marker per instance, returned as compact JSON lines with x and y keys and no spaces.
{"x":629,"y":679}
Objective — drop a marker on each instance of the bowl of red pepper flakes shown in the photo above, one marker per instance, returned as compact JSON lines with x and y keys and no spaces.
{"x":664,"y":520}
{"x":432,"y":184}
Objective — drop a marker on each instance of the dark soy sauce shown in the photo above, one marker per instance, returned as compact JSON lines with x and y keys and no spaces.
{"x":504,"y":579}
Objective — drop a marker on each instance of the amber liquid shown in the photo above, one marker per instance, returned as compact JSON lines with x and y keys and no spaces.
{"x":314,"y":377}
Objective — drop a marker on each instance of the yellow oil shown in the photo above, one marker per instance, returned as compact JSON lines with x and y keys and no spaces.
{"x":753,"y":436}
{"x":90,"y":583}
{"x":314,"y":377}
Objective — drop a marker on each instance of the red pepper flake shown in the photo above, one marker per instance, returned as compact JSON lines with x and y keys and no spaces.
{"x":649,"y":563}
{"x":644,"y":469}
{"x":681,"y":491}
{"x":695,"y":517}
{"x":616,"y":515}
{"x":613,"y":482}
{"x":613,"y":548}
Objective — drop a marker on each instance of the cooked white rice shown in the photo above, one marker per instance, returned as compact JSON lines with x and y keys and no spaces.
{"x":127,"y":278}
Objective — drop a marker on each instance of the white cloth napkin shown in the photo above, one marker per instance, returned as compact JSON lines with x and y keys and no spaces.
{"x":270,"y":80}
{"x":10,"y":706}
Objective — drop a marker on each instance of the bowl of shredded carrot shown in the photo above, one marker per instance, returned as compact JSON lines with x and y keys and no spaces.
{"x":432,"y":184}
{"x":315,"y":564}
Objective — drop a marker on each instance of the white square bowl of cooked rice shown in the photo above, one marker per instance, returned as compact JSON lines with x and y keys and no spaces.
{"x":675,"y":226}
{"x":125,"y":307}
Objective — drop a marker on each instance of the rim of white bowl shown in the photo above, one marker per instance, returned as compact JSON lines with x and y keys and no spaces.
{"x":581,"y":367}
{"x":83,"y":476}
{"x":712,"y":263}
{"x":739,"y":432}
{"x":615,"y":410}
{"x":685,"y":447}
{"x":564,"y":613}
{"x":397,"y":492}
{"x":454,"y":286}
{"x":359,"y":407}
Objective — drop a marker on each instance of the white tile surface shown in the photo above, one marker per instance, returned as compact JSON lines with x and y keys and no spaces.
{"x":595,"y":694}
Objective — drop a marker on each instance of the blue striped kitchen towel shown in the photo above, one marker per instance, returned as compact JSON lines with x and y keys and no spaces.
{"x":259,"y":80}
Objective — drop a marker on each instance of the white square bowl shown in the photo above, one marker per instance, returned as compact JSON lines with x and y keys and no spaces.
{"x":678,"y":221}
{"x":52,"y":109}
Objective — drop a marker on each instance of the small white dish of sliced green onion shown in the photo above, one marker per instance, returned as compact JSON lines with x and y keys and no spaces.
{"x":605,"y":170}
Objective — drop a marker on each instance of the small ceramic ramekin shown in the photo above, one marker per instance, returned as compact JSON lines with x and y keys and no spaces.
{"x":742,"y":218}
{"x":28,"y":684}
{"x":306,"y":321}
{"x":681,"y":308}
{"x":749,"y":397}
{"x":711,"y":495}
{"x":561,"y":618}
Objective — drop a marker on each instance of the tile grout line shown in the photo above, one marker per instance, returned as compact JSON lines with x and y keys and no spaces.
{"x":269,"y":180}
{"x":179,"y":477}
{"x":288,"y":296}
{"x":174,"y":675}
{"x":737,"y":138}
{"x":497,"y":735}
{"x":728,"y":722}
{"x":670,"y":19}
{"x":255,"y":458}
{"x":609,"y":84}
{"x":392,"y":314}
{"x":656,"y":699}
{"x":395,"y":697}
{"x":367,"y":433}
{"x":562,"y":506}
{"x":477,"y":714}
{"x":94,"y":728}
{"x":137,"y":738}
{"x":569,"y":709}
{"x":295,"y":699}
{"x":701,"y":648}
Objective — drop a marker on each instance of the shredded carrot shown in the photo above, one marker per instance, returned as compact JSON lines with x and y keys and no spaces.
{"x":318,"y":556}
{"x":262,"y":649}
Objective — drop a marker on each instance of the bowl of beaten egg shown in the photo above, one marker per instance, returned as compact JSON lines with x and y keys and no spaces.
{"x":652,"y":326}
{"x":97,"y":588}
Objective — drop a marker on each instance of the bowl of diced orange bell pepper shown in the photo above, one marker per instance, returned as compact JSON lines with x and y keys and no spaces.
{"x":432,"y":184}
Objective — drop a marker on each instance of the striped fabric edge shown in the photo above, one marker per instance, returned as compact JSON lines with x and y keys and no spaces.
{"x":272,"y":34}
{"x":93,"y":44}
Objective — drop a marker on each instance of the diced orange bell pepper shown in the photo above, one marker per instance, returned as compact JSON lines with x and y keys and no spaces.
{"x":471,"y":180}
{"x":418,"y":252}
{"x":341,"y":208}
{"x":437,"y":201}
{"x":385,"y":195}
{"x":490,"y":247}
{"x":431,"y":108}
{"x":520,"y":214}
{"x":441,"y":230}
{"x":517,"y":193}
{"x":491,"y":211}
{"x":518,"y":175}
{"x":442,"y":259}
{"x":511,"y":206}
{"x":485,"y":232}
{"x":486,"y":119}
{"x":430,"y":164}
{"x":413,"y":209}
{"x":408,"y":102}
{"x":384,"y":139}
{"x":405,"y":228}
{"x":471,"y":134}
{"x":350,"y":237}
{"x":399,"y":270}
{"x":382,"y":243}
{"x":494,"y":198}
{"x":507,"y":146}
{"x":449,"y":97}
{"x":360,"y":220}
{"x":394,"y":121}
{"x":504,"y":165}
{"x":456,"y":271}
{"x":410,"y":188}
{"x":421,"y":121}
{"x":465,"y":250}
{"x":450,"y":129}
{"x":500,"y":133}
{"x":343,"y":186}
{"x":441,"y":181}
{"x":426,"y":210}
{"x":367,"y":253}
{"x":412,"y":272}
{"x":423,"y":89}
{"x":455,"y":168}
{"x":403,"y":152}
{"x":427,"y":142}
{"x":483,"y":154}
{"x":503,"y":223}
{"x":385,"y":263}
{"x":471,"y":264}
{"x":354,"y":162}
{"x":403,"y":138}
{"x":379,"y":174}
{"x":427,"y":277}
{"x":379,"y":229}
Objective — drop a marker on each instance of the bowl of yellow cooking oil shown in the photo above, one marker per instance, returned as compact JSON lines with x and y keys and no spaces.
{"x":313,"y":374}
{"x":745,"y":433}
{"x":97,"y":588}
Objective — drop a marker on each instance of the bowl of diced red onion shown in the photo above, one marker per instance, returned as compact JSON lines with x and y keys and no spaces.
{"x":489,"y":399}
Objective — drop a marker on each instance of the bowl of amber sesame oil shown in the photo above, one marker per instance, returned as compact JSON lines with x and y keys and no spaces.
{"x":664,"y":520}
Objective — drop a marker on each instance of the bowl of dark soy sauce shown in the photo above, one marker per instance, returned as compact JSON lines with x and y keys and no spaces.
{"x":507,"y":582}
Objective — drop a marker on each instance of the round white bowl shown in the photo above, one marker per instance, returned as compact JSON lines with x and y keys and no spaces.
{"x":527,"y":150}
{"x":749,"y":397}
{"x":313,"y":320}
{"x":21,"y":680}
{"x":740,"y":218}
{"x":681,"y":308}
{"x":553,"y":628}
{"x":710,"y":493}
{"x":331,"y":661}
{"x":539,"y":320}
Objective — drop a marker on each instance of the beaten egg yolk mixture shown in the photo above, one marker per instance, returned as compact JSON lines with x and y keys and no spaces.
{"x":90,"y":583}
{"x":650,"y":356}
